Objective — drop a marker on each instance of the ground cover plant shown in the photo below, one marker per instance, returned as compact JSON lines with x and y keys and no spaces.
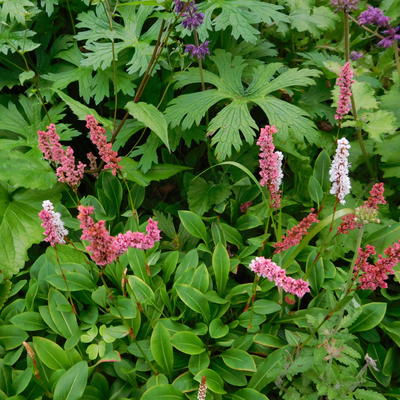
{"x":199,"y":200}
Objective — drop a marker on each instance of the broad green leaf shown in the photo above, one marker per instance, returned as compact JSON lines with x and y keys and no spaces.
{"x":315,"y":271}
{"x":321,"y":169}
{"x":161,"y":348}
{"x":11,"y":336}
{"x":150,"y":117}
{"x":268,"y":370}
{"x":378,"y":123}
{"x":221,"y":267}
{"x":315,"y":190}
{"x":72,"y":384}
{"x":20,"y":226}
{"x":50,"y":353}
{"x":248,"y":394}
{"x":264,"y":307}
{"x":371,"y":315}
{"x":213,"y":380}
{"x":131,"y":171}
{"x":162,"y":392}
{"x":194,"y":299}
{"x":164,"y":171}
{"x":188,"y":343}
{"x":239,"y":360}
{"x":73,"y":281}
{"x":141,"y":289}
{"x":28,"y":321}
{"x":193,"y":224}
{"x":217,"y":329}
{"x":267,"y":340}
{"x":362,"y":394}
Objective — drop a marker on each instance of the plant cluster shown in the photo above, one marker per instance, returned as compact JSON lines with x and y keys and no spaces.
{"x":199,"y":200}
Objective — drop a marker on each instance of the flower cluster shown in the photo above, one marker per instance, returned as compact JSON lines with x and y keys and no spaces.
{"x":268,"y":269}
{"x":52,"y":223}
{"x":373,"y":16}
{"x":202,"y":393}
{"x":339,"y":171}
{"x":365,"y":213}
{"x":356,"y":55}
{"x":375,"y":275}
{"x":199,"y":51}
{"x":104,"y":248}
{"x":295,"y":234}
{"x":344,"y":81}
{"x":192,"y":19}
{"x":67,"y":170}
{"x":270,"y":164}
{"x":345,"y":5}
{"x":98,"y":137}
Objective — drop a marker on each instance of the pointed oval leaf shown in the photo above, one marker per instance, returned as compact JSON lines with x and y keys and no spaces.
{"x":72,"y":383}
{"x":161,"y":348}
{"x":188,"y":343}
{"x":221,"y":267}
{"x":193,"y":224}
{"x":50,"y":353}
{"x":239,"y":359}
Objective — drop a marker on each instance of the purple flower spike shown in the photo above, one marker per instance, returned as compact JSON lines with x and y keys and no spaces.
{"x":192,"y":19}
{"x":391,"y":36}
{"x":199,"y":51}
{"x":373,"y":16}
{"x":345,"y":5}
{"x":355,"y":55}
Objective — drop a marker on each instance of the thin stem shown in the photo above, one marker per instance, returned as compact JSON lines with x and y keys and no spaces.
{"x":397,"y":58}
{"x":353,"y":262}
{"x":71,"y":17}
{"x":196,"y":41}
{"x":346,"y":33}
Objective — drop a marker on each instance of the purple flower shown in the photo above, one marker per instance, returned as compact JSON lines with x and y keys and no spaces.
{"x":391,"y":36}
{"x":192,"y":19}
{"x":373,"y":16}
{"x":355,"y":55}
{"x":199,"y":51}
{"x":344,"y":5}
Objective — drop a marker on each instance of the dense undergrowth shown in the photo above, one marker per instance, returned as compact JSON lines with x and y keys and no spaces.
{"x":199,"y":201}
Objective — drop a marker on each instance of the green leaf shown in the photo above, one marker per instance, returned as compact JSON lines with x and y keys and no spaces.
{"x":188,"y":343}
{"x":221,"y":267}
{"x":161,"y":348}
{"x":378,"y":123}
{"x":150,"y":117}
{"x":141,"y":289}
{"x":193,"y":224}
{"x":131,"y":171}
{"x":268,"y":370}
{"x":217,"y":329}
{"x":72,"y":383}
{"x":162,"y":392}
{"x":315,"y":190}
{"x":267,"y":340}
{"x":11,"y":336}
{"x":364,"y":96}
{"x":321,"y":169}
{"x":28,"y":321}
{"x":194,"y":299}
{"x":164,"y":171}
{"x":20,"y":226}
{"x":50,"y":353}
{"x":371,"y":315}
{"x":71,"y":282}
{"x":264,"y":307}
{"x":315,"y":271}
{"x":213,"y":380}
{"x":248,"y":394}
{"x":362,"y":394}
{"x":239,"y":360}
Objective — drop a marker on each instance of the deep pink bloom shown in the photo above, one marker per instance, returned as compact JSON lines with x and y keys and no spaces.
{"x":244,"y":206}
{"x":266,"y":268}
{"x":103,"y":247}
{"x":52,"y":223}
{"x":295,"y":234}
{"x":270,"y":164}
{"x":375,"y":275}
{"x":349,"y":223}
{"x":344,"y":81}
{"x":67,"y":170}
{"x":98,"y":137}
{"x":376,"y":196}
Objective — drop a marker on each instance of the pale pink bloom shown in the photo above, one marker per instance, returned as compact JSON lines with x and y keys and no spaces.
{"x":202,"y":393}
{"x":295,"y":234}
{"x":92,"y":162}
{"x":344,"y":81}
{"x":104,"y":248}
{"x":67,"y":170}
{"x":52,"y":223}
{"x":266,"y":268}
{"x":98,"y":137}
{"x":270,"y":164}
{"x":339,"y":171}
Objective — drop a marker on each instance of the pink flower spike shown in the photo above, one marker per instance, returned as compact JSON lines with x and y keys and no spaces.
{"x":295,"y":234}
{"x":98,"y":137}
{"x":104,"y":248}
{"x":52,"y":223}
{"x":67,"y":171}
{"x":266,"y":268}
{"x":270,"y":164}
{"x":376,"y":196}
{"x":344,"y":81}
{"x":349,"y":223}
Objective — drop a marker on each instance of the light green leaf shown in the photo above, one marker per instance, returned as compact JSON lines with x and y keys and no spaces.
{"x":193,"y":224}
{"x":162,"y":392}
{"x":50,"y":353}
{"x":150,"y":117}
{"x":72,"y":383}
{"x":11,"y":336}
{"x":188,"y":343}
{"x":161,"y":348}
{"x":194,"y":299}
{"x":221,"y":267}
{"x":371,"y":315}
{"x":379,"y":123}
{"x":239,"y":360}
